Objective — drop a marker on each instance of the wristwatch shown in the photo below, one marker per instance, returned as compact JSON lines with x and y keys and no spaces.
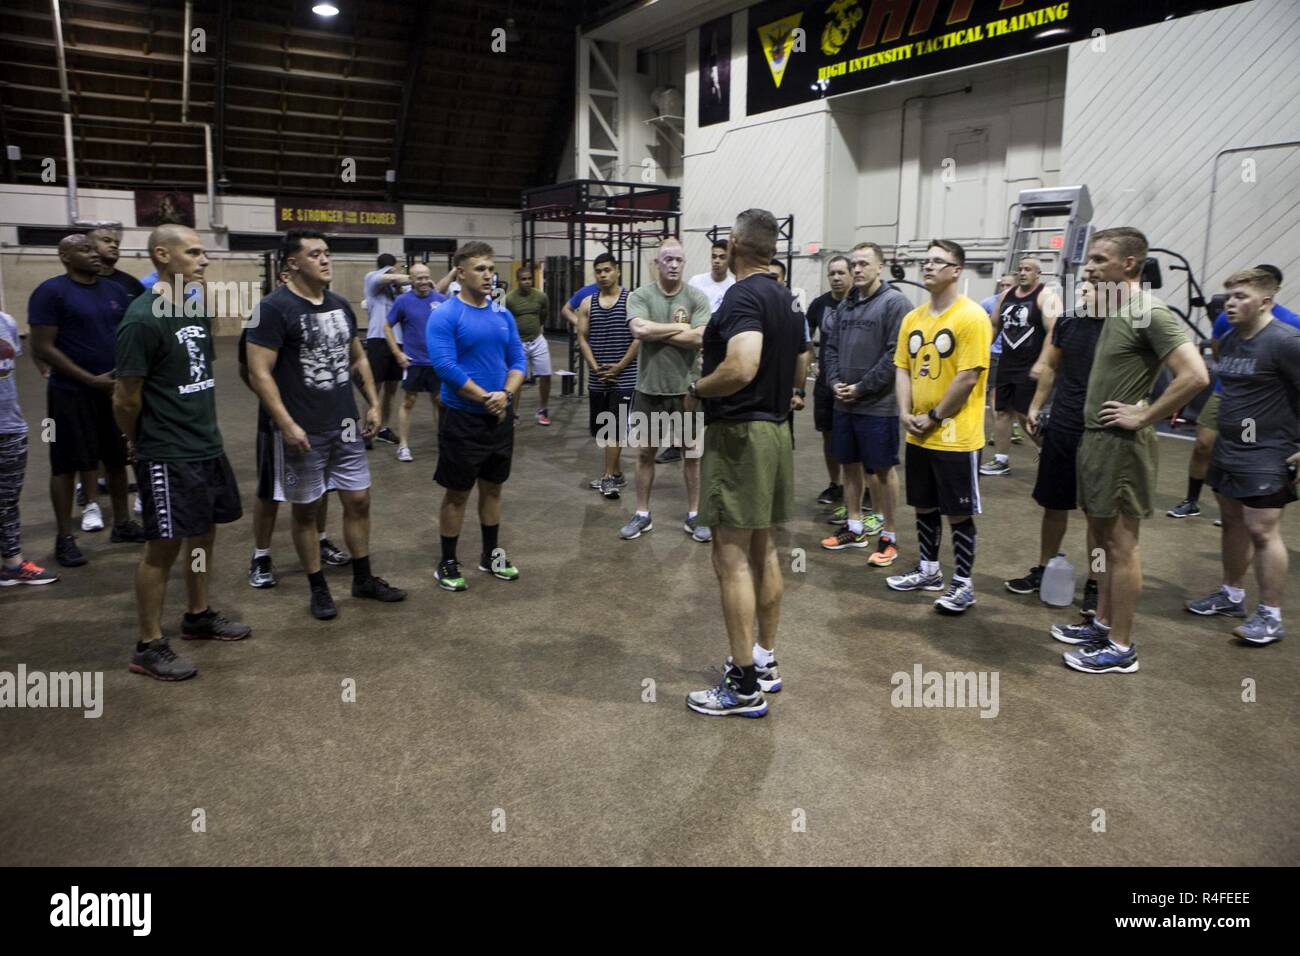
{"x":933,"y":417}
{"x":691,"y":391}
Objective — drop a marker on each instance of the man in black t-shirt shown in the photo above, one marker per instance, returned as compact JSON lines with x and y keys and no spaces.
{"x":1022,"y":321}
{"x":1065,"y":364}
{"x":107,"y":241}
{"x":302,"y":350}
{"x":164,"y":403}
{"x":1253,"y":466}
{"x":754,"y":357}
{"x":821,"y":312}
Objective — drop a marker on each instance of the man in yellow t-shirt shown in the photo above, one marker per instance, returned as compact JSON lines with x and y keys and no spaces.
{"x":941,"y":368}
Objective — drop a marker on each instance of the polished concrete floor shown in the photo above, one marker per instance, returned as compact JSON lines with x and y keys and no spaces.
{"x":510,"y":724}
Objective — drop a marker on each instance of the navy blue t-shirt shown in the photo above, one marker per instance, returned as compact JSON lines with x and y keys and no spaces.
{"x":86,"y":317}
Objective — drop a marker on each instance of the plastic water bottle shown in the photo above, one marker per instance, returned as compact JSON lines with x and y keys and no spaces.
{"x":1057,"y":587}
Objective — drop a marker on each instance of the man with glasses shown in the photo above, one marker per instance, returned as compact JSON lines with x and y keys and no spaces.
{"x":942,"y":366}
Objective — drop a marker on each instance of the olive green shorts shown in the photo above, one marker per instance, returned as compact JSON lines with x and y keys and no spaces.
{"x":1209,"y":417}
{"x":746,"y":475}
{"x":1117,"y":472}
{"x":662,"y":420}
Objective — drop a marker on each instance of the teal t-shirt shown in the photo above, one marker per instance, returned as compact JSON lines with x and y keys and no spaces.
{"x":662,"y":368}
{"x":173,"y":354}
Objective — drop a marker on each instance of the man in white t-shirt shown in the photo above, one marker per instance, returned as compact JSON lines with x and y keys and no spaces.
{"x":382,"y":288}
{"x":717,"y":280}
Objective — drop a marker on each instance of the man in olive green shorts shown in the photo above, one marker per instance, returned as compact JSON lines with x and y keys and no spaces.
{"x":667,"y":316}
{"x":753,"y":360}
{"x":1117,"y":457}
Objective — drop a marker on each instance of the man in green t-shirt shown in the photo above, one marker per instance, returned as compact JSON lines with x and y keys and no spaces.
{"x":164,"y":403}
{"x":667,"y":316}
{"x":529,"y":306}
{"x":1116,"y":463}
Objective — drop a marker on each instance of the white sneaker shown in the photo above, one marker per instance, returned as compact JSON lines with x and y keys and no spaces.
{"x":404,"y":454}
{"x":137,"y":507}
{"x":92,"y":519}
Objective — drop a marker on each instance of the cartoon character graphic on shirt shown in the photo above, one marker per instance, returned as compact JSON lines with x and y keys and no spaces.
{"x":931,"y":354}
{"x":1015,"y":325}
{"x":325,"y":350}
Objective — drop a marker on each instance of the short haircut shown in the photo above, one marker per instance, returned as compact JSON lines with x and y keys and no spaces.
{"x":603,"y":258}
{"x":754,"y":235}
{"x":1128,"y":240}
{"x":1274,"y":271}
{"x":838,"y":257}
{"x":950,"y":247}
{"x":525,"y":271}
{"x":1261,"y":280}
{"x":386,"y":259}
{"x":417,"y":265}
{"x":1034,"y":259}
{"x":779,"y":264}
{"x":474,"y":249}
{"x":292,"y":243}
{"x":718,"y":244}
{"x":880,"y":253}
{"x":668,"y":241}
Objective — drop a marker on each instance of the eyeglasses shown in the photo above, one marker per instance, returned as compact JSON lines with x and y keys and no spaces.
{"x":937,"y":263}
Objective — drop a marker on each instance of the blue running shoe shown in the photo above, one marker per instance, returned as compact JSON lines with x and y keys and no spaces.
{"x":726,"y":700}
{"x":1102,"y":658}
{"x":1089,"y":632}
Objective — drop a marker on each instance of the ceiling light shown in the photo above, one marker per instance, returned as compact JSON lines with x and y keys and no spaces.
{"x":325,"y":10}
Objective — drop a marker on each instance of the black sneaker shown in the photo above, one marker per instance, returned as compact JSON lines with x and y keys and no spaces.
{"x":213,"y":626}
{"x":67,"y":553}
{"x":81,"y":498}
{"x":377,"y":589}
{"x":322,"y":605}
{"x":387,"y":435}
{"x":127,"y":532}
{"x":261,"y":573}
{"x":669,"y":454}
{"x":333,"y":556}
{"x":1088,"y":606}
{"x":1029,"y":583}
{"x":833,"y":495}
{"x":160,"y":662}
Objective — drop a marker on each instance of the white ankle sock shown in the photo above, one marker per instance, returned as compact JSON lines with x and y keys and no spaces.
{"x":1235,"y":595}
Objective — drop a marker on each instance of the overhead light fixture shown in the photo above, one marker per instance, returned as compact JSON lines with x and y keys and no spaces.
{"x":325,"y":10}
{"x":1044,"y":34}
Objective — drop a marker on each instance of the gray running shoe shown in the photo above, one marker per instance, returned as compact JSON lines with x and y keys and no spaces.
{"x":609,"y":488}
{"x":958,"y":599}
{"x":697,"y":531}
{"x":1089,"y":632}
{"x":159,"y":661}
{"x":1217,"y":603}
{"x":916,"y":580}
{"x":1260,"y":629}
{"x":995,"y":467}
{"x":636,"y":527}
{"x":1187,"y":508}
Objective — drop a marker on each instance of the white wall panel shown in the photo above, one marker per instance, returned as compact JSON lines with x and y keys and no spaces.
{"x":1146,"y":116}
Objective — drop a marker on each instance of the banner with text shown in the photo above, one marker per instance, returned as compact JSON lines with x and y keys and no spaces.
{"x":339,"y":216}
{"x":800,"y":51}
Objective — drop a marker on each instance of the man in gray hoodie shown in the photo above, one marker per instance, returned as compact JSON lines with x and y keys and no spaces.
{"x":865,"y":431}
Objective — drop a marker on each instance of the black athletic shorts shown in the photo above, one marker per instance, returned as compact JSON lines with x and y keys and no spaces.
{"x":823,"y":406}
{"x":615,"y":401}
{"x":1014,"y":392}
{"x":84,"y":431}
{"x":183,"y":499}
{"x":473,"y":447}
{"x":1253,"y":490}
{"x":1056,"y":489}
{"x":421,"y":378}
{"x":383,"y":367}
{"x":947,"y":480}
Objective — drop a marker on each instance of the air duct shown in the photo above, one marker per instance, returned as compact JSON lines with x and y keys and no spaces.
{"x":213,"y":223}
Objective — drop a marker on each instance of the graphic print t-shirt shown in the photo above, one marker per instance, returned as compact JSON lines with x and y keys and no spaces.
{"x":933,"y":349}
{"x":173,"y":353}
{"x":313,"y":369}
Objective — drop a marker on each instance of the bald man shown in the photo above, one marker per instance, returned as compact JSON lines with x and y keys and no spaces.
{"x":410,"y":313}
{"x":73,"y":318}
{"x":667,"y":316}
{"x":165,"y":404}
